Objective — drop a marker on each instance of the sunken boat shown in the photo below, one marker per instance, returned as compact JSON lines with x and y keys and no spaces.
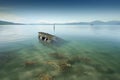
{"x":49,"y":38}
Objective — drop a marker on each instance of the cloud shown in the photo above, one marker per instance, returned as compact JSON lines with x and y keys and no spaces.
{"x":11,"y":17}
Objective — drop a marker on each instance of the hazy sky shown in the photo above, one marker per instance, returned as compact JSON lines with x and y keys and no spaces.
{"x":59,"y":11}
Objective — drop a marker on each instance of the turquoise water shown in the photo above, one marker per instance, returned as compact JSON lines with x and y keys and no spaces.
{"x":88,"y":53}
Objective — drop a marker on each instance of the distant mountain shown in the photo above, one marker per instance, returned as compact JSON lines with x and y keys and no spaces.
{"x":105,"y":23}
{"x":95,"y":23}
{"x":75,"y":23}
{"x":8,"y":23}
{"x":72,"y":23}
{"x":113,"y":22}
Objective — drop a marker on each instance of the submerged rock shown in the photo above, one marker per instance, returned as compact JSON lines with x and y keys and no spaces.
{"x":60,"y":66}
{"x":65,"y":66}
{"x":29,"y":63}
{"x":45,"y":76}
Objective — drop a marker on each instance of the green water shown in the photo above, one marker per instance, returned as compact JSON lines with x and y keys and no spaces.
{"x":88,"y":53}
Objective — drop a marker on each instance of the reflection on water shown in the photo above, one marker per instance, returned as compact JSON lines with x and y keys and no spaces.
{"x":89,"y":53}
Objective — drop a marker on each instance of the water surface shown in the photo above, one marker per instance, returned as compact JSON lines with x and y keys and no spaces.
{"x":89,"y":53}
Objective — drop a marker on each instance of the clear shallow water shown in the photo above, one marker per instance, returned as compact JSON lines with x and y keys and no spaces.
{"x":89,"y":53}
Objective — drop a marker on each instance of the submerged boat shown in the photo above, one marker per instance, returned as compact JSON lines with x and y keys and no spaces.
{"x":47,"y":37}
